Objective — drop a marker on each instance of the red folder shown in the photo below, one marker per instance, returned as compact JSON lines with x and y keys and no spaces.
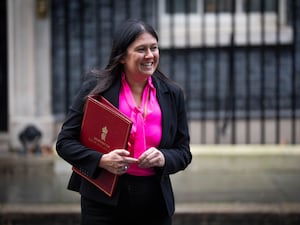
{"x":104,"y":128}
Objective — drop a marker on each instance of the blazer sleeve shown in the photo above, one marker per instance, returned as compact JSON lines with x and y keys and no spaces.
{"x":68,"y":144}
{"x":175,"y":143}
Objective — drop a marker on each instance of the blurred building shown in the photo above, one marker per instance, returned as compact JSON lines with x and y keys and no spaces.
{"x":238,"y":62}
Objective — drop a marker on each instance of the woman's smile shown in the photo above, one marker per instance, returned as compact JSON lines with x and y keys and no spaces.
{"x":142,"y":56}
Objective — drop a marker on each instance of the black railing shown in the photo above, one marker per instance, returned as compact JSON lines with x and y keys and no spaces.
{"x":3,"y":69}
{"x":238,"y":61}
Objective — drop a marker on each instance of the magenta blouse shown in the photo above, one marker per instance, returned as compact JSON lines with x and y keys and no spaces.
{"x":146,"y":130}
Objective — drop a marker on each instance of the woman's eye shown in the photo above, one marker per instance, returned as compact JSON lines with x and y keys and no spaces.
{"x":140,"y":49}
{"x":143,"y":49}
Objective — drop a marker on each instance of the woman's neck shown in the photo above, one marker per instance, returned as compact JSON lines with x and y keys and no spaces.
{"x":137,"y":88}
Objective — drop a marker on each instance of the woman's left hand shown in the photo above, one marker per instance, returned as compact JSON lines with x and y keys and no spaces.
{"x":152,"y":157}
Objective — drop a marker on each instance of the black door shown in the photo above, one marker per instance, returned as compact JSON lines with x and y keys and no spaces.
{"x":3,"y":68}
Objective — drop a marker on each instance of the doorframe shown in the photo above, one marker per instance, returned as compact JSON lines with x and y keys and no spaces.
{"x":3,"y":68}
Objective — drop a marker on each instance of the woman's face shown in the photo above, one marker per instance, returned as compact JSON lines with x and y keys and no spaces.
{"x":141,"y":59}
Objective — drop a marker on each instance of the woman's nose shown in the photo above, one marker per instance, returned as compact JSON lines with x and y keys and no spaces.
{"x":149,"y":53}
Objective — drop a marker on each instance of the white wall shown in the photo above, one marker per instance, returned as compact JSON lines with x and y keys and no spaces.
{"x":29,"y":77}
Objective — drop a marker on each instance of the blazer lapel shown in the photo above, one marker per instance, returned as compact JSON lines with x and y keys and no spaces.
{"x":112,"y":94}
{"x":164,"y":101}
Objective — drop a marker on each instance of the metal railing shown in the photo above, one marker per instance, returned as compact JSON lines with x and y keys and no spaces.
{"x":237,"y":60}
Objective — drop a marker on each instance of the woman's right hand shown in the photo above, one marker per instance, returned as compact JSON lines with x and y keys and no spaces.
{"x":117,"y":161}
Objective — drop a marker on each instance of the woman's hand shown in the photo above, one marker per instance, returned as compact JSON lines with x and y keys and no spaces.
{"x":151,"y":158}
{"x":117,"y":161}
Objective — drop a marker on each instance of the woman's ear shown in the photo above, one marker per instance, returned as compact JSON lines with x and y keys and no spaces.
{"x":122,"y":60}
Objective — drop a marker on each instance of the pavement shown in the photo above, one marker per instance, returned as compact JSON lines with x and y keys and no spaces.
{"x":220,"y":178}
{"x":240,"y":174}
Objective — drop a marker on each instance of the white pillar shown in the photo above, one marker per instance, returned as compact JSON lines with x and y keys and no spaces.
{"x":29,"y":77}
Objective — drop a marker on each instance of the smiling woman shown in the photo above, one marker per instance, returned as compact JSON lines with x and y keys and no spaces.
{"x":158,"y":143}
{"x":140,"y":61}
{"x":142,"y":55}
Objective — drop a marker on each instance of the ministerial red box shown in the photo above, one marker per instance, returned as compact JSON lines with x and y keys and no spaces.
{"x":104,"y":128}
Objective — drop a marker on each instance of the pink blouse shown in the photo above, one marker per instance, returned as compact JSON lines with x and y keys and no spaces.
{"x":146,"y":130}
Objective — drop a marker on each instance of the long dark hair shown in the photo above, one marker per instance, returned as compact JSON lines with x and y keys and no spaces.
{"x":127,"y":32}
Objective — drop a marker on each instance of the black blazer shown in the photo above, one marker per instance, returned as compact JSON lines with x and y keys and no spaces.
{"x":174,"y":142}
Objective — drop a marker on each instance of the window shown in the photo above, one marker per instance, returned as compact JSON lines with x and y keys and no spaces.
{"x":181,"y":6}
{"x":242,"y":6}
{"x":213,"y":22}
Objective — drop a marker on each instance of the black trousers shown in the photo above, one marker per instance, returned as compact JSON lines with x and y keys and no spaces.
{"x":141,"y":203}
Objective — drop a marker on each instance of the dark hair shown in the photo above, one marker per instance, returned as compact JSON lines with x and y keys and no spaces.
{"x":127,"y":32}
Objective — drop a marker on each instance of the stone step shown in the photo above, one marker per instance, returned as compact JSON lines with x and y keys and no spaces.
{"x":12,"y":164}
{"x":186,"y":214}
{"x":4,"y":146}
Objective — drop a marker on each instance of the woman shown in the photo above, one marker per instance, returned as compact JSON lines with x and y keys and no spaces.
{"x":159,"y":137}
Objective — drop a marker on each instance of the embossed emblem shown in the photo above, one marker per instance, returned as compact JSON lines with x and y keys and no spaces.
{"x":104,"y":133}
